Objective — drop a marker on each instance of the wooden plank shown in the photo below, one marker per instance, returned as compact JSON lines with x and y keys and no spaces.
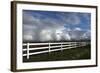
{"x":50,"y":43}
{"x":47,"y":47}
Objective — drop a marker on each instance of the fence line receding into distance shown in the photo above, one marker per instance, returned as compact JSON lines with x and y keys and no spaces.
{"x":49,"y":47}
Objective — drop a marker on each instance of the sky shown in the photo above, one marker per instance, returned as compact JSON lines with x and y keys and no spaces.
{"x":55,"y":26}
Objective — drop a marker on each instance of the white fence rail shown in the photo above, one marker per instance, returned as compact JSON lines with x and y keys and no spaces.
{"x":49,"y":47}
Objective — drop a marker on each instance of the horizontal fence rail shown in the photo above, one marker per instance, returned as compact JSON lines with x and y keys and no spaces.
{"x":38,"y":48}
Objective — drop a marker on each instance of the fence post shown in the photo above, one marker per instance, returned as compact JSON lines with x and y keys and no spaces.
{"x":70,"y":43}
{"x":49,"y":46}
{"x":75,"y":44}
{"x":27,"y":50}
{"x":61,"y":47}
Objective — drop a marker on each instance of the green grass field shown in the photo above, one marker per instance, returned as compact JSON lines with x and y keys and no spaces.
{"x":68,"y":54}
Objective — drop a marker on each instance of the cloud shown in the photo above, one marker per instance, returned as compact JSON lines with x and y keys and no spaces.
{"x":86,"y":35}
{"x":28,"y":37}
{"x":40,"y":27}
{"x":77,"y":29}
{"x":70,"y":18}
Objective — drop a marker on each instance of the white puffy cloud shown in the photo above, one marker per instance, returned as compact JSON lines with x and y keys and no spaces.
{"x":87,"y":35}
{"x":45,"y":35}
{"x":27,"y":37}
{"x":77,"y":29}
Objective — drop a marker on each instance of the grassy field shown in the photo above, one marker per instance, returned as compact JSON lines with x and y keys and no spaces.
{"x":68,"y":54}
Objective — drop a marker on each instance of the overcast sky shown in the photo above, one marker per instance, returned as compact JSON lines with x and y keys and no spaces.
{"x":55,"y":26}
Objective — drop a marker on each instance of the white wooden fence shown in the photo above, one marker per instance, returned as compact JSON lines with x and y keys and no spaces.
{"x":59,"y":46}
